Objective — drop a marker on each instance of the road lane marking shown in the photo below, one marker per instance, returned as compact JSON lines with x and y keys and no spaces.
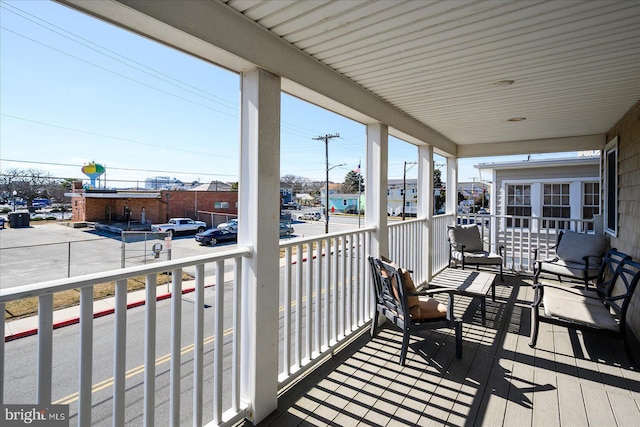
{"x":135,"y":371}
{"x":159,"y":361}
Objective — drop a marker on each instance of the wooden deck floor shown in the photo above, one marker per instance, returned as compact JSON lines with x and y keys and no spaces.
{"x":569,"y":379}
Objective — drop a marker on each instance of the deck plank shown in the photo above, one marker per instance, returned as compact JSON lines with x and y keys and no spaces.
{"x":599,"y":412}
{"x":569,"y":379}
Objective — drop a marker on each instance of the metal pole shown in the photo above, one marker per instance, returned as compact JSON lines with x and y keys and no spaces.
{"x":326,"y":139}
{"x":359,"y":191}
{"x":326,"y":156}
{"x":404,"y":188}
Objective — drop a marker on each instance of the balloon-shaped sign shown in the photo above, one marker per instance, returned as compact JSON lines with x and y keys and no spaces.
{"x":93,"y":170}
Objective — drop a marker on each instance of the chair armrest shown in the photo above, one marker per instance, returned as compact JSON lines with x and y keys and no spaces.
{"x":431,"y":291}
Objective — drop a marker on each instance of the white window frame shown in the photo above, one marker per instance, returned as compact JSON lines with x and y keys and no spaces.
{"x":610,"y":199}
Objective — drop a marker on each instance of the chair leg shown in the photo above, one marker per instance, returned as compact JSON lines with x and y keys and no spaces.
{"x":534,"y":319}
{"x":374,"y":324}
{"x":536,"y":274}
{"x":458,"y":338}
{"x":501,"y":275}
{"x":405,"y":346}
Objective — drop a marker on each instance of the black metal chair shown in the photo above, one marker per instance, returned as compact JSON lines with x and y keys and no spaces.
{"x":604,"y":310}
{"x":392,"y":301}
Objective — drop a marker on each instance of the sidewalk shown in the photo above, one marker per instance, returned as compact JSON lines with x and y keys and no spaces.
{"x":28,"y":326}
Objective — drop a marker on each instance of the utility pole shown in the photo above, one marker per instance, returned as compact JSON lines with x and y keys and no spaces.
{"x":326,"y":140}
{"x":404,"y":185}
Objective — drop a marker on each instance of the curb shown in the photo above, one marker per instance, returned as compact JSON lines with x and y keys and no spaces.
{"x":101,"y":313}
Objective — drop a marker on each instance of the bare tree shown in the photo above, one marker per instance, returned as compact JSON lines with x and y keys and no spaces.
{"x":31,"y":183}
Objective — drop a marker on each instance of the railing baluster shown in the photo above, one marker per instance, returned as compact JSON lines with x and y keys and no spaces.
{"x":198,"y":346}
{"x":326,"y":284}
{"x":237,"y":335}
{"x":334,"y":279}
{"x":217,"y":343}
{"x":349,"y":285}
{"x":286,"y":339}
{"x":150,"y":350}
{"x":299,"y":281}
{"x":343,"y":285}
{"x":176,"y":340}
{"x":86,"y":356}
{"x":120,"y":353}
{"x":2,"y":356}
{"x":45,"y":348}
{"x":358,"y":287}
{"x":317,"y":298}
{"x":308,"y":306}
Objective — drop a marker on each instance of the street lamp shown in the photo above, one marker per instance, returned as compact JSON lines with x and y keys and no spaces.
{"x":326,"y":216}
{"x":404,"y":185}
{"x":15,"y":193}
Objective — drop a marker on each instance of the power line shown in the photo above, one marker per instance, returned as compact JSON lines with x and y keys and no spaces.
{"x":113,"y":137}
{"x":169,"y":79}
{"x":116,"y":168}
{"x":203,"y":93}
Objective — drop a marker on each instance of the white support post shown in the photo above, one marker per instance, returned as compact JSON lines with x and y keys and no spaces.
{"x":259,"y":214}
{"x":452,"y":185}
{"x":375,"y":189}
{"x":425,"y":205}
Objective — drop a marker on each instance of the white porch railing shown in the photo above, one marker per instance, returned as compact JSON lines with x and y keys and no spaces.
{"x":406,"y":240}
{"x":226,"y":407}
{"x":326,"y":297}
{"x":521,"y":234}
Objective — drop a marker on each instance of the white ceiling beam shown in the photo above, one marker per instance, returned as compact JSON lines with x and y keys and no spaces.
{"x":533,"y":146}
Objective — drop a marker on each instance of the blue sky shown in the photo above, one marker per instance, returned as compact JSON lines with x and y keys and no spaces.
{"x":74,"y":89}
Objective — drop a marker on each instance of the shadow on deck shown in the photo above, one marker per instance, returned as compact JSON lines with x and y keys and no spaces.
{"x":569,"y":379}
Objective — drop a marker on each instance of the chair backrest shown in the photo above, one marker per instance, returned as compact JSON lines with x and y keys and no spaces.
{"x":391,"y":298}
{"x":574,"y":247}
{"x":607,"y":276}
{"x":631,"y":309}
{"x":467,"y":235}
{"x":626,"y":282}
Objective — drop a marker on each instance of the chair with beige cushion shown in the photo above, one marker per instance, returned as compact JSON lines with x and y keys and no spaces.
{"x":466,"y":247}
{"x":611,"y":308}
{"x":578,"y":256}
{"x":411,"y":311}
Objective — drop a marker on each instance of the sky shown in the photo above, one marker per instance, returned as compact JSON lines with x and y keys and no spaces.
{"x":75,"y":90}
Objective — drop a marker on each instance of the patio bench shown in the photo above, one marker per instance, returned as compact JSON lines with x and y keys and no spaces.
{"x":604,"y":310}
{"x":578,"y":256}
{"x":409,"y":310}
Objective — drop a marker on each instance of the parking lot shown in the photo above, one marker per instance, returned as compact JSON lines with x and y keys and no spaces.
{"x":43,"y":252}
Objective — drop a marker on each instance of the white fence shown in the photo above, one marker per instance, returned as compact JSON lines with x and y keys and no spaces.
{"x":325,"y":297}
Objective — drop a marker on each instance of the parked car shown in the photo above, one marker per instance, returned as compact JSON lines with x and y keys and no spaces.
{"x":180,"y":225}
{"x":286,"y":229}
{"x":291,"y":205}
{"x":232,"y":223}
{"x":311,"y":216}
{"x":353,"y":210}
{"x":214,"y":236}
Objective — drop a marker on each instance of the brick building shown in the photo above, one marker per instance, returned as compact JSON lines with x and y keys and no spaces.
{"x":148,"y":207}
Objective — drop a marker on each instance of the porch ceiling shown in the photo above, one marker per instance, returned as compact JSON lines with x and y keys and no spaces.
{"x":575,"y":64}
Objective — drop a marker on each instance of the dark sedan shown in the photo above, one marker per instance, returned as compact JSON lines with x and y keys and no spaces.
{"x":214,"y":236}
